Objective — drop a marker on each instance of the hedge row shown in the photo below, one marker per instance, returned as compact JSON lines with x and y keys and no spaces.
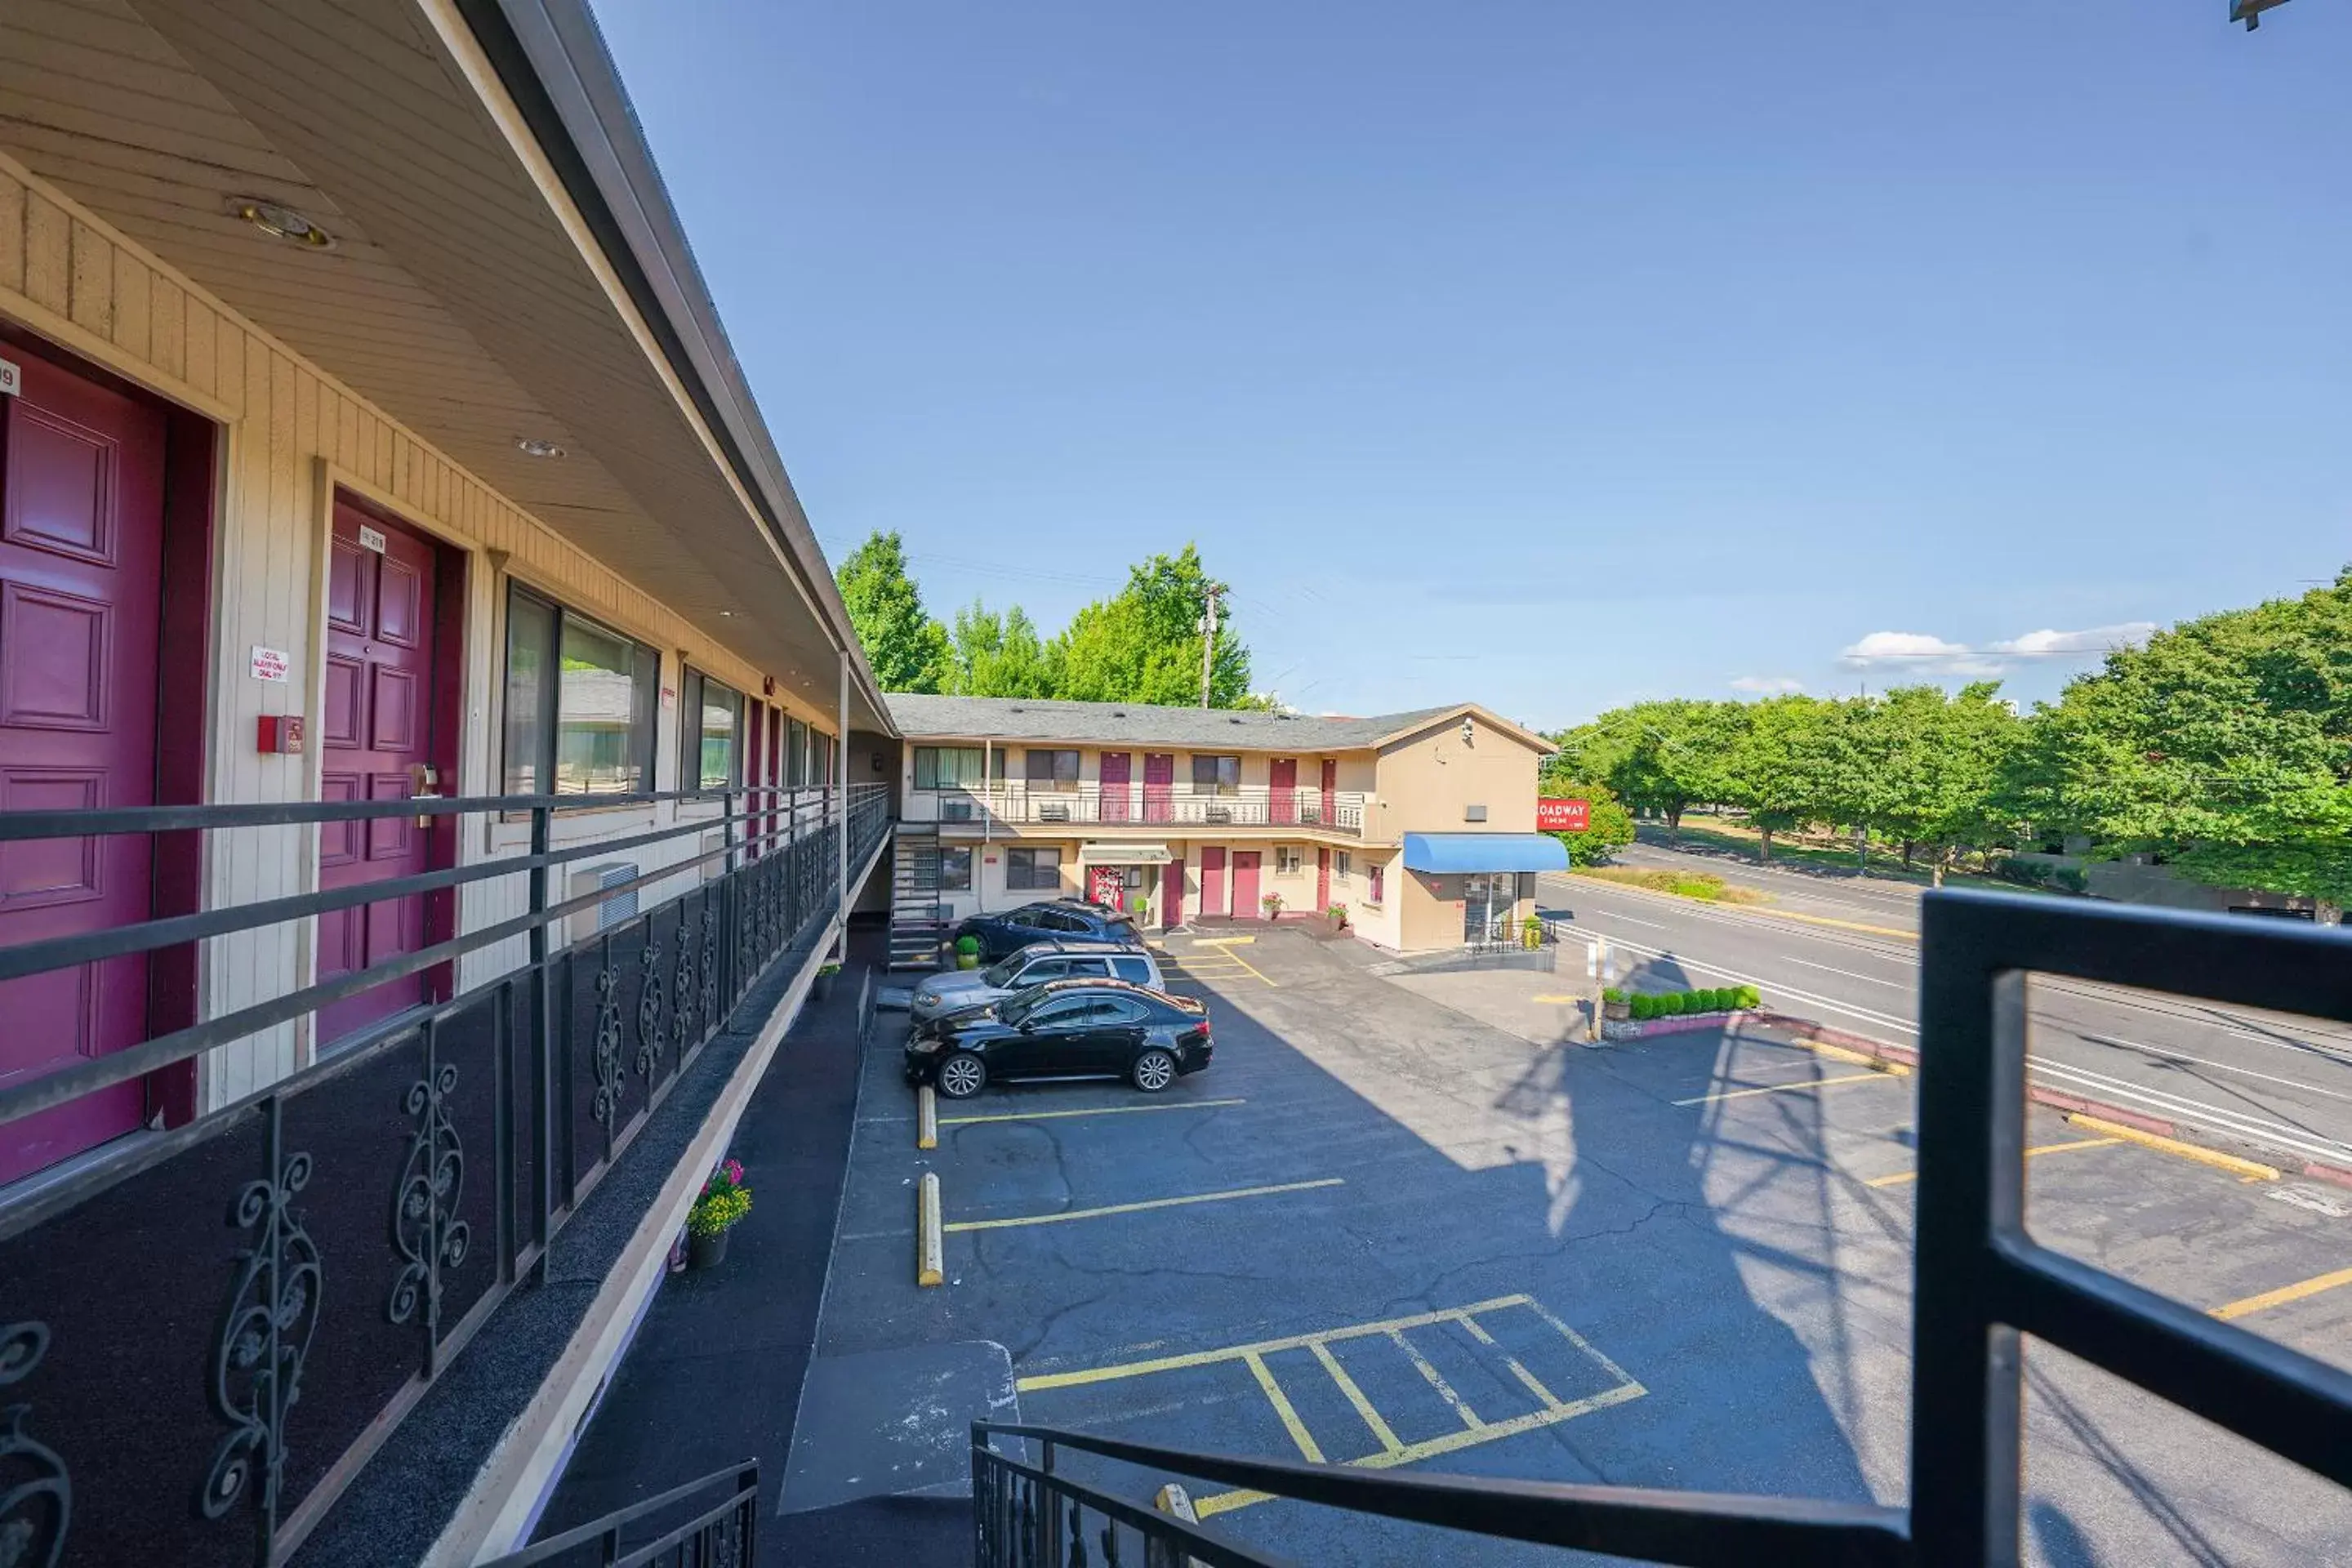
{"x":1684,"y":1003}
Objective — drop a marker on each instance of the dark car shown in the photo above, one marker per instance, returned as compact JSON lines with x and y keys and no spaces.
{"x":1004,"y":933}
{"x":1065,"y":1028}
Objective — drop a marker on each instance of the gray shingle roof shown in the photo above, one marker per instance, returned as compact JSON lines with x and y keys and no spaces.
{"x":1203,"y":728}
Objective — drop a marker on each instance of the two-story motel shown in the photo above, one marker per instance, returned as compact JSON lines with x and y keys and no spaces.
{"x":1420,"y":824}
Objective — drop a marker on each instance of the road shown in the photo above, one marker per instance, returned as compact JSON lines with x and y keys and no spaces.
{"x":1844,"y":952}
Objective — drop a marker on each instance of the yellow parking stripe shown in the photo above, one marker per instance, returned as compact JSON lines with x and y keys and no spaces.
{"x":2249,"y":1169}
{"x":1147,"y":1203}
{"x":1283,"y":1407}
{"x":1436,"y":1379}
{"x":1525,"y":1377}
{"x":1382,"y":1433}
{"x":2283,"y":1295}
{"x":1786,"y":1087}
{"x":1099,"y":1111}
{"x":1901,"y":1177}
{"x":1222,"y":940}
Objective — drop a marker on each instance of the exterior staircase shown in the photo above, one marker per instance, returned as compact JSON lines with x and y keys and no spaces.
{"x":916,"y":927}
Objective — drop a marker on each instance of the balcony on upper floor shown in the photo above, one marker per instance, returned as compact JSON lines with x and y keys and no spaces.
{"x":1013,"y":804}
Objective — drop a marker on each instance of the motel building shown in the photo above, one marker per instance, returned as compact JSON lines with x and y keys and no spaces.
{"x":1421,"y":824}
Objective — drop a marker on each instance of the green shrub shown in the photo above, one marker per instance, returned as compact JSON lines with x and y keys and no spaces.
{"x":1721,"y":997}
{"x":1644,"y":1007}
{"x":1610,"y":994}
{"x":1748,"y":996}
{"x":1673,"y":1003}
{"x":2071,"y":879}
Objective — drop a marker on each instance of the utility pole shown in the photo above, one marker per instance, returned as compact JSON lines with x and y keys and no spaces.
{"x":1209,"y":638}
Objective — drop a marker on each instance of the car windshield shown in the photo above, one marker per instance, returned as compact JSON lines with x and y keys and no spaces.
{"x":999,"y":973}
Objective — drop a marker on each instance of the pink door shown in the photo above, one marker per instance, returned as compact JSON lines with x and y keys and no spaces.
{"x":1213,"y":882}
{"x":1246,"y":885}
{"x":1158,"y":781}
{"x":375,"y":733}
{"x":1330,"y":777}
{"x":81,"y":550}
{"x":1322,"y":880}
{"x":1115,"y":766}
{"x":1171,"y":894}
{"x":1282,"y":790}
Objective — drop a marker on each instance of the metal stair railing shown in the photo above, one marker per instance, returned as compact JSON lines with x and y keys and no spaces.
{"x":723,"y":1534}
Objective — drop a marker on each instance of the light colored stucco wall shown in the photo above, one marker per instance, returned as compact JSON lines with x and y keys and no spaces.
{"x":289,"y":434}
{"x":1427,"y":780}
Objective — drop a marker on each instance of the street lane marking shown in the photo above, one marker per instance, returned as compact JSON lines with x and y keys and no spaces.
{"x":2254,"y":1128}
{"x":1850,"y":974}
{"x":1381,"y":1432}
{"x":1283,"y":1407}
{"x":2167,"y":1054}
{"x":1147,"y":1203}
{"x":1788,"y":1087}
{"x":1771,"y":987}
{"x":1902,"y":1177}
{"x":2219,"y":1162}
{"x":2283,"y":1295}
{"x":1100,"y":1110}
{"x":1744,"y":911}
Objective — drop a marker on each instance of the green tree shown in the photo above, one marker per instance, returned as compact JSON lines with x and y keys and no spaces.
{"x":1662,"y":757}
{"x":994,"y":655}
{"x":1782,"y":769}
{"x":906,"y":647}
{"x":1143,"y":644}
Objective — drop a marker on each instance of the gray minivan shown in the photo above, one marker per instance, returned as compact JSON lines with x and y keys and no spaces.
{"x":955,"y":989}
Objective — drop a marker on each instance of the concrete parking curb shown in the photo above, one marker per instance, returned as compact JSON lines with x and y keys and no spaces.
{"x":927,"y":1118}
{"x":930,"y":1268}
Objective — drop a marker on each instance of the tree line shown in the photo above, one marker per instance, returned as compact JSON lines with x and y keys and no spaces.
{"x":2222,"y":747}
{"x":1140,"y":645}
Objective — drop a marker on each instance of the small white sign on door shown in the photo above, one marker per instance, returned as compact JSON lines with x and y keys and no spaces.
{"x":370,"y":539}
{"x":269,"y":663}
{"x":11,"y":378}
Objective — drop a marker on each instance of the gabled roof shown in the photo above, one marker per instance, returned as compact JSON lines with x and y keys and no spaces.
{"x":1192,"y":729}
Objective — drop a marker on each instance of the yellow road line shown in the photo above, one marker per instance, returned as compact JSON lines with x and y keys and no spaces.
{"x":1282,"y":1407}
{"x":1382,"y":1433}
{"x":1288,"y":1342}
{"x":1147,"y":1203}
{"x":1522,"y":1374}
{"x":1900,"y":1178}
{"x":1556,"y":998}
{"x":1895,"y":932}
{"x":2283,"y":1295}
{"x":1099,"y":1111}
{"x":1436,"y":1379}
{"x":2249,"y":1169}
{"x":1453,"y":1442}
{"x":1787,"y":1087}
{"x":1854,"y":1059}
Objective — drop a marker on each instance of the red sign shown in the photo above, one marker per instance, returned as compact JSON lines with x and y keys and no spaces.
{"x":1563,"y":815}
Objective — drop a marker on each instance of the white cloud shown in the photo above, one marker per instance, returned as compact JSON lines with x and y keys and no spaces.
{"x":2100,"y":640}
{"x":1766,"y":685}
{"x":1930,"y":655}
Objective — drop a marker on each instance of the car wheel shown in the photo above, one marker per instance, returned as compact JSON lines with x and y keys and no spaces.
{"x":962,"y":1075}
{"x":1154,"y":1070}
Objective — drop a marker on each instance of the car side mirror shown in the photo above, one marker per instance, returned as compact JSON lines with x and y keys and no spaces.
{"x":1027,"y":1026}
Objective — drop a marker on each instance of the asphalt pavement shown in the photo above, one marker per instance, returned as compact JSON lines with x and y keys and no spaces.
{"x":1843,"y":950}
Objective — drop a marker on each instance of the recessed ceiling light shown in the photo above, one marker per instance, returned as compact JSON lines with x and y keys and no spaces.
{"x":727,"y":614}
{"x":281,"y":223}
{"x":532,"y":447}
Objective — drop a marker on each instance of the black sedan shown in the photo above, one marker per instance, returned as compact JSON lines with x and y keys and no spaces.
{"x":1065,"y":1028}
{"x":1004,"y":933}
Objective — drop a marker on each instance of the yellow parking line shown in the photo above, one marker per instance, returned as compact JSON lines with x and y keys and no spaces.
{"x":1222,"y":940}
{"x":1786,"y":1087}
{"x":1268,"y":1347}
{"x":1525,"y":1377}
{"x":1283,"y":1407}
{"x":1099,"y":1111}
{"x":1147,"y":1203}
{"x":2283,"y":1295}
{"x":1246,"y":964}
{"x":1436,"y":1379}
{"x":2249,"y":1169}
{"x":1901,"y":1177}
{"x":1381,"y":1432}
{"x":1557,"y":998}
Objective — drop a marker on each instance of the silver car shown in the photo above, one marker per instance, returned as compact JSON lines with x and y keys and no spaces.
{"x":955,"y":989}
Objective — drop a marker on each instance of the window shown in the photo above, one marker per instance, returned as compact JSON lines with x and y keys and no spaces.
{"x":1054,"y":920}
{"x":1216,"y":775}
{"x":1339,"y":865}
{"x":1134,"y":969}
{"x":1041,"y":970}
{"x":955,"y":870}
{"x":1025,"y":869}
{"x":1285,"y":859}
{"x":1091,"y":968}
{"x":710,"y":753}
{"x":580,"y":705}
{"x":1373,"y":881}
{"x":1052,"y":770}
{"x":795,"y":753}
{"x":946,"y":767}
{"x":1122,"y":1010}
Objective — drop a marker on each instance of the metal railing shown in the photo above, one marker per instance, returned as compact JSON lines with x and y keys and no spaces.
{"x":1147,"y":805}
{"x":1980,"y":1285}
{"x":722,"y":1534}
{"x":340,"y":1232}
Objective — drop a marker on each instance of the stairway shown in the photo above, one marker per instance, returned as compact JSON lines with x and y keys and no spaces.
{"x":916,"y":929}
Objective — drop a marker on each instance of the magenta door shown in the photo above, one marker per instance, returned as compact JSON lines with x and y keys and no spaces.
{"x":1213,"y":882}
{"x":1159,"y":782}
{"x":375,"y":733}
{"x":81,"y":549}
{"x":1115,"y":765}
{"x":1330,"y":777}
{"x":1246,"y":885}
{"x":1282,"y":790}
{"x":1171,"y":894}
{"x":1322,"y":879}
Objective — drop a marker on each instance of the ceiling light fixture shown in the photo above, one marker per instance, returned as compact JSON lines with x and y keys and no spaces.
{"x":280,"y":222}
{"x":532,"y":447}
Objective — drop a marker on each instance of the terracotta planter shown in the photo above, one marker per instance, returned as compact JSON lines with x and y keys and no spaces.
{"x":706,"y":1251}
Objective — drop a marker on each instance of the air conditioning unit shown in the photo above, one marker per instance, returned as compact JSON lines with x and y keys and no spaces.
{"x":602,"y":915}
{"x":955,"y":811}
{"x":1474,"y":813}
{"x":716,"y":866}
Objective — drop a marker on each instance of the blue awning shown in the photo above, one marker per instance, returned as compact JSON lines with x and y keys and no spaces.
{"x":1446,"y":852}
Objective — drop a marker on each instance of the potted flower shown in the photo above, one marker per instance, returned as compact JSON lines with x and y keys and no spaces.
{"x":1272,"y":903}
{"x":824,"y":981}
{"x":1337,"y":915}
{"x":967,"y":953}
{"x":1614,"y":1004}
{"x":1532,"y":933}
{"x":725,"y":1200}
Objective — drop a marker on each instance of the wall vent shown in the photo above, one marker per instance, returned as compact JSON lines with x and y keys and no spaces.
{"x":1474,"y":813}
{"x":602,"y":915}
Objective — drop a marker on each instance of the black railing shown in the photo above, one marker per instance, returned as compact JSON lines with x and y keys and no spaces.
{"x":206,"y":1329}
{"x":1156,"y":805}
{"x":713,"y":1534}
{"x":1027,"y":1516}
{"x":1980,"y":1284}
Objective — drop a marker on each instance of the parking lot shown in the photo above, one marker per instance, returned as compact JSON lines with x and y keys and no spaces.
{"x":1382,"y":1232}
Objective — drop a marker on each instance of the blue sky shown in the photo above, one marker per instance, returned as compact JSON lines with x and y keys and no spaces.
{"x":1550,"y":354}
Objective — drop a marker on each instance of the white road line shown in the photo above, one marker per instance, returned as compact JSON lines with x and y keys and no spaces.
{"x":1850,"y":974}
{"x":1629,"y":920}
{"x":1887,"y":1020}
{"x":2178,"y":1108}
{"x":2163,"y":1053}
